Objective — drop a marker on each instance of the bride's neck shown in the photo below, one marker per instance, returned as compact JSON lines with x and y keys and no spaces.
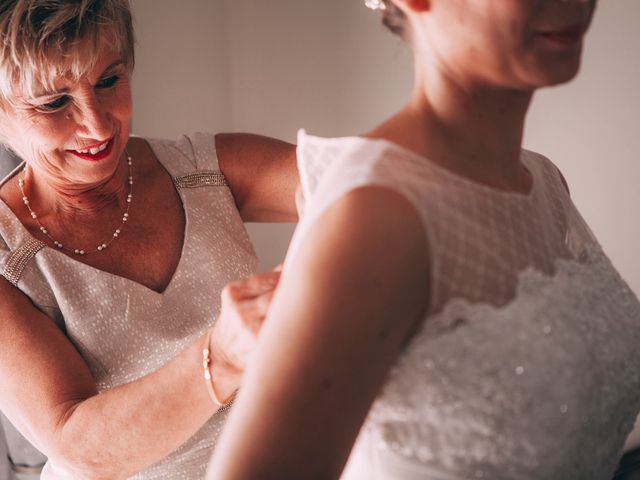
{"x":471,"y":121}
{"x":474,"y":131}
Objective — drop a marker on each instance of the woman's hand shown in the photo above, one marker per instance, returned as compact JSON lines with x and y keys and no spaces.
{"x":245,"y":304}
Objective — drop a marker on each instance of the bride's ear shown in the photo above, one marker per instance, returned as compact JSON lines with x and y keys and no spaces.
{"x":416,"y":6}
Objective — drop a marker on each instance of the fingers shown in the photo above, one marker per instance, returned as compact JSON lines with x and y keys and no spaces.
{"x":245,"y":304}
{"x":251,"y":287}
{"x":253,"y":312}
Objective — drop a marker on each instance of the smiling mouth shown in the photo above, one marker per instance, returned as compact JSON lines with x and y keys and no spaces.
{"x":567,"y":36}
{"x":95,"y":152}
{"x":97,"y":149}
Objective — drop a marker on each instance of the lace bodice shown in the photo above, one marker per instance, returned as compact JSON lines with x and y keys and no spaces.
{"x":527,"y":364}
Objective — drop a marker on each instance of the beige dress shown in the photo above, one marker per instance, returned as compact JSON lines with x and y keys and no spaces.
{"x":123,"y":329}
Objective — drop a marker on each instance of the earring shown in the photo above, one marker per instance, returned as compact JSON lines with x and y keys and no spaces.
{"x":375,"y":4}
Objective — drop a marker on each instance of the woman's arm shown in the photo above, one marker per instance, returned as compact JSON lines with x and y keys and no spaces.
{"x":347,"y":302}
{"x":262,"y":175}
{"x":50,"y":396}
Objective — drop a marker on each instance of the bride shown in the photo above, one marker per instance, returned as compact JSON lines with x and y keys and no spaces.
{"x":444,"y":311}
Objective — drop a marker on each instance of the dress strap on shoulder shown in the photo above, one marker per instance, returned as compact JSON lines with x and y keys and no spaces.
{"x":19,"y":259}
{"x":206,"y":178}
{"x":191,"y":160}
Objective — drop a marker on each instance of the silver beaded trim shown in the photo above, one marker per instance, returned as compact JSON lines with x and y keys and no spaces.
{"x":19,"y":259}
{"x":207,"y":178}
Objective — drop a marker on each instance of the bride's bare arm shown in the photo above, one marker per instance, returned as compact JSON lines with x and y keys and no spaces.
{"x":262,"y":175}
{"x":50,"y":395}
{"x":349,"y":299}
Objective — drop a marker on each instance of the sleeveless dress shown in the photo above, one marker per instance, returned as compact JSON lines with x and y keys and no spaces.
{"x":125,"y":330}
{"x":527,"y":365}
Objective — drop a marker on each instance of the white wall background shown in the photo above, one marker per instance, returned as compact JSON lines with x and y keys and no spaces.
{"x":273,"y":66}
{"x":591,"y":129}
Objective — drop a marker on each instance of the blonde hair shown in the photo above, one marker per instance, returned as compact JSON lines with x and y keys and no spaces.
{"x":42,"y":40}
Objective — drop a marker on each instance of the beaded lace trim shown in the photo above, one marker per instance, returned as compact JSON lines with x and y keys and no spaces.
{"x":201,"y":179}
{"x":19,"y":259}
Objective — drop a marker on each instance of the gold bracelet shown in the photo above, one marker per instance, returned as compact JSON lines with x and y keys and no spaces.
{"x":208,"y":379}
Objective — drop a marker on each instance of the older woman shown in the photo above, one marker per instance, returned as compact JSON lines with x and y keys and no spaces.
{"x":442,"y":291}
{"x":113,"y":252}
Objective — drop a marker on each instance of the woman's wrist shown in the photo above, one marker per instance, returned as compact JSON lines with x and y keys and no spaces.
{"x":221,"y":376}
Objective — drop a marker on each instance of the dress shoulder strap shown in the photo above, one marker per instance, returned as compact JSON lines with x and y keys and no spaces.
{"x":191,"y":160}
{"x":19,"y":258}
{"x":17,"y":246}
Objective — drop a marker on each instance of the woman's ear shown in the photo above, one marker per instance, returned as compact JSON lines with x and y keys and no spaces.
{"x":417,"y":6}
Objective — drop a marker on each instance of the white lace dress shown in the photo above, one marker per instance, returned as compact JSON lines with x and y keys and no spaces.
{"x":528,"y":363}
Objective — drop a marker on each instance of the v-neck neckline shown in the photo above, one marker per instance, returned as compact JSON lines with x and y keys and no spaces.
{"x":26,"y":234}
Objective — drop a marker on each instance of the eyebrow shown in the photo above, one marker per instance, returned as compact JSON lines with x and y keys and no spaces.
{"x":65,"y":91}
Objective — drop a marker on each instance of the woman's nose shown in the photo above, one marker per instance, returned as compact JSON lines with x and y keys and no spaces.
{"x":93,"y":119}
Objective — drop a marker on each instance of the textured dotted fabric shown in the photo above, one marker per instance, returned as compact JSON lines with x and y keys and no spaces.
{"x":125,"y":330}
{"x":527,"y":365}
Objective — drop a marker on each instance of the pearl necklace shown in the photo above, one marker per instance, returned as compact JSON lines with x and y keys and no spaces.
{"x":79,"y":251}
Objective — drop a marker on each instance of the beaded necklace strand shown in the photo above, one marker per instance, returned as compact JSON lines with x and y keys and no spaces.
{"x":79,"y":251}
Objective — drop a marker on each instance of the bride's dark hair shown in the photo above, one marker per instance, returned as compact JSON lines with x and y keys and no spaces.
{"x":394,"y":19}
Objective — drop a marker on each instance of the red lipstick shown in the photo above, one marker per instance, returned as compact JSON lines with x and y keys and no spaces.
{"x":98,"y":156}
{"x":566,"y":36}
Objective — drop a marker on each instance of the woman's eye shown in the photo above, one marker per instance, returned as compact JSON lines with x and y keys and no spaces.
{"x":108,"y":81}
{"x":57,"y":104}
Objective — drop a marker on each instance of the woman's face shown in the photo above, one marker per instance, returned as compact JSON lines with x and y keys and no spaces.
{"x":74,"y":136}
{"x":520,"y":44}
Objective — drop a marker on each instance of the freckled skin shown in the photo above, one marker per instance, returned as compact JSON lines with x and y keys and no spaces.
{"x":92,"y":115}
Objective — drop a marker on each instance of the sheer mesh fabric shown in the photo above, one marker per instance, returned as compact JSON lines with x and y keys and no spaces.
{"x":526,"y":366}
